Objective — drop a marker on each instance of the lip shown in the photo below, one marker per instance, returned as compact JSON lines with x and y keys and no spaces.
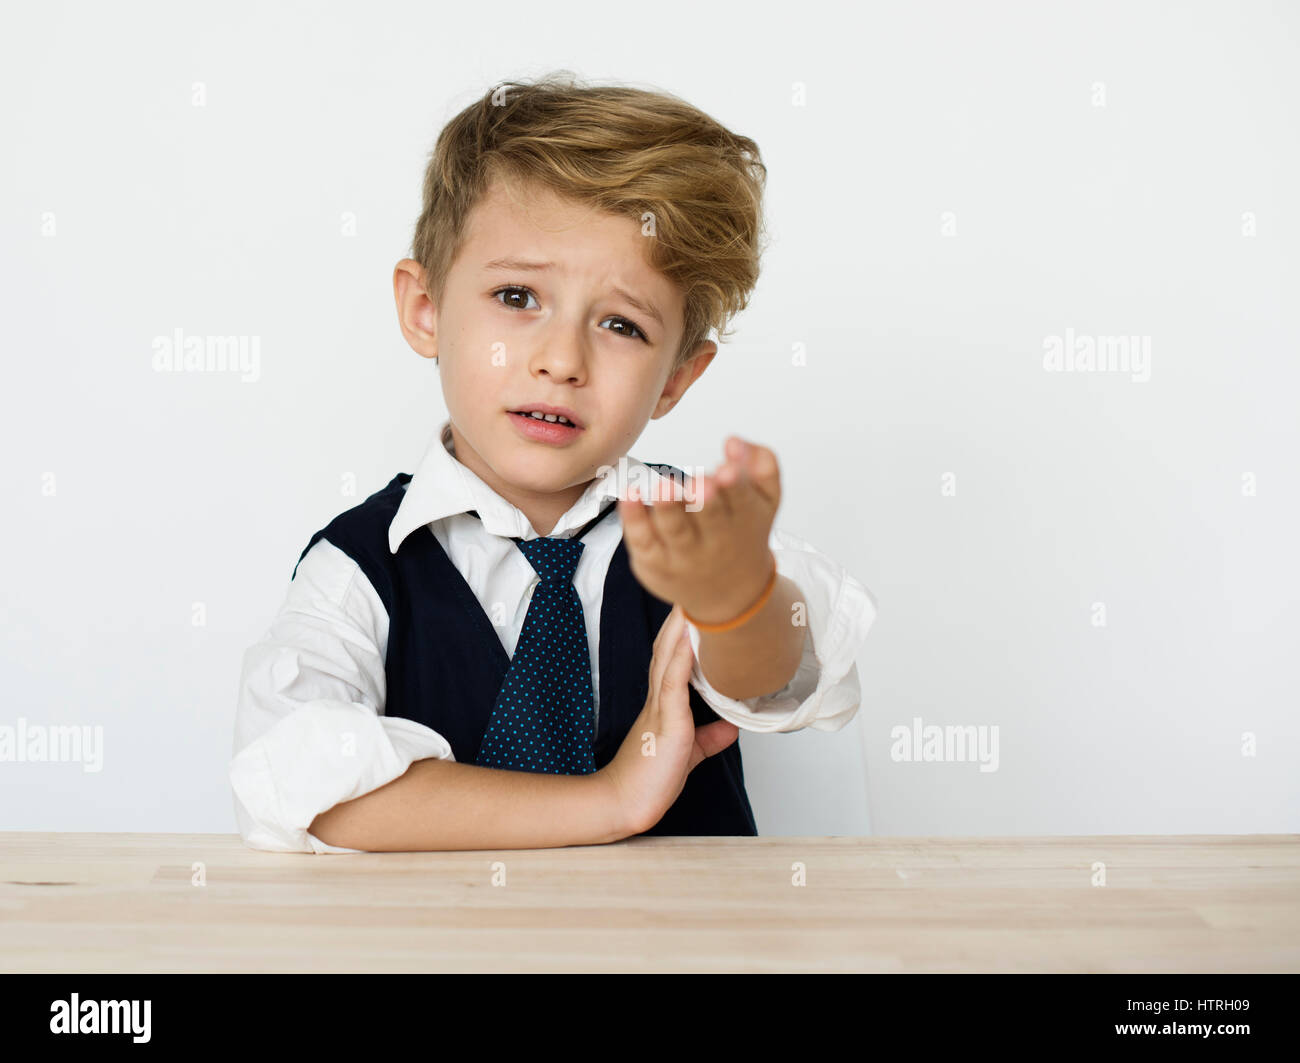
{"x":543,"y":431}
{"x":541,"y":407}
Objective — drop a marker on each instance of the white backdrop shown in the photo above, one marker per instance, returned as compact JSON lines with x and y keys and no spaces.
{"x":1099,"y":564}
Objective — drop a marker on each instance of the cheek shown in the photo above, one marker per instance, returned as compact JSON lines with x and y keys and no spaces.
{"x":626,"y":407}
{"x":638,"y":389}
{"x":465,"y":393}
{"x":471,"y":370}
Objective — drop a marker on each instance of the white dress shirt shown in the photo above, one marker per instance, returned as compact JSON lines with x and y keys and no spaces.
{"x":310,"y":729}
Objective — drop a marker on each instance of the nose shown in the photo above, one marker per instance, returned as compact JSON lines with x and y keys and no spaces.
{"x":561,"y":353}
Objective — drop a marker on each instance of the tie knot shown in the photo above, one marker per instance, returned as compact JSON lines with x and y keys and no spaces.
{"x":552,"y":558}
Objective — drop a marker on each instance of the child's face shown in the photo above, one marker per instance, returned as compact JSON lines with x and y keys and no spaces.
{"x":560,"y":335}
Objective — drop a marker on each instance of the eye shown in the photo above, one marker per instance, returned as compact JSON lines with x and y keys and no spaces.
{"x":632,"y":325}
{"x":512,"y":288}
{"x":517,"y":289}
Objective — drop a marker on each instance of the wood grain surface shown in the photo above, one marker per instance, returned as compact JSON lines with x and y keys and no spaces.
{"x":204,"y":902}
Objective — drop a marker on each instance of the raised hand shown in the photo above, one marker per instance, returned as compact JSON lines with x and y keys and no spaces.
{"x":714,"y":561}
{"x":663,"y":745}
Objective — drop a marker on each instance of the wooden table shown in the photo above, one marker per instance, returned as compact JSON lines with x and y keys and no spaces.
{"x":100,"y":903}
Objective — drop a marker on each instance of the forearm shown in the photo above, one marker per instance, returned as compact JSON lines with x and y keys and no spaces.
{"x":443,"y":804}
{"x":762,"y":654}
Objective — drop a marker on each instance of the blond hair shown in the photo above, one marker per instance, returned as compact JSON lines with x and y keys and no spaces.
{"x":626,"y":151}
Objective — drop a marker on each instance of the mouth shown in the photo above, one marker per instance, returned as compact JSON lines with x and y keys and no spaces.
{"x":545,"y":424}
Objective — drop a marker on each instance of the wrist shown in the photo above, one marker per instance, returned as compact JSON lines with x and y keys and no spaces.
{"x":615,"y":821}
{"x":742,"y":597}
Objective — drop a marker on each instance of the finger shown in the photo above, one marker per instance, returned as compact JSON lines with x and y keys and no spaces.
{"x":699,"y":491}
{"x":710,"y":500}
{"x":670,"y":631}
{"x":729,"y":473}
{"x":673,"y":526}
{"x":755,"y":487}
{"x":744,"y":501}
{"x":735,"y":473}
{"x":733,"y":484}
{"x":735,"y":447}
{"x":638,"y":528}
{"x":671,"y":489}
{"x":673,"y":694}
{"x":665,"y":631}
{"x":764,"y":473}
{"x":673,"y":656}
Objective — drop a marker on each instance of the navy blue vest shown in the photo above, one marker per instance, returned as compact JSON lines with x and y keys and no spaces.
{"x":445,"y":663}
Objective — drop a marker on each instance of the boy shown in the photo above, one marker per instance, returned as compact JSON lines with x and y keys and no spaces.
{"x":485,"y":654}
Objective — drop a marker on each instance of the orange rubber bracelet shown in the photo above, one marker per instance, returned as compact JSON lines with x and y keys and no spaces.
{"x":746,"y":615}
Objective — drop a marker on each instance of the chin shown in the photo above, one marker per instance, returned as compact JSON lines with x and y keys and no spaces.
{"x":534,"y":471}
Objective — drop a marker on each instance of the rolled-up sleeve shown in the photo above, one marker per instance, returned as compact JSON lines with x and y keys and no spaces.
{"x":824,"y":693}
{"x":309,"y":726}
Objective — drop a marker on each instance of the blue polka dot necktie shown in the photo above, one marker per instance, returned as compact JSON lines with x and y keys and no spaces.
{"x":543,"y":717}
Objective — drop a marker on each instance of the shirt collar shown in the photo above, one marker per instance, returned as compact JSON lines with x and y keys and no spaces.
{"x":442,"y":487}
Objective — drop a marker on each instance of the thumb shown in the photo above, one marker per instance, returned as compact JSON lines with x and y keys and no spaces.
{"x":713,"y":738}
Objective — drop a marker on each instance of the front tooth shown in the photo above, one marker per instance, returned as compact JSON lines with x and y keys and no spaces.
{"x":551,"y":417}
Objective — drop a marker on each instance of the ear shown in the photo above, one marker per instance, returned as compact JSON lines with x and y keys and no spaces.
{"x":676,"y":385}
{"x":416,"y":315}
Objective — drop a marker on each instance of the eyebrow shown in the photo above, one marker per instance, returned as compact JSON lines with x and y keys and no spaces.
{"x":526,"y":266}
